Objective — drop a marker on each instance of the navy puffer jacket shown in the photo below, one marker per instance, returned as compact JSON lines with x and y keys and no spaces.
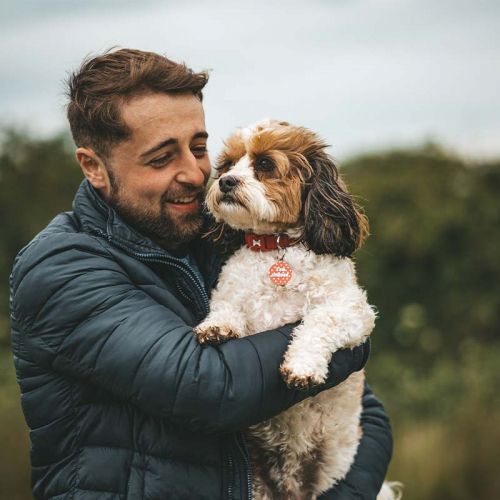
{"x":121,"y":401}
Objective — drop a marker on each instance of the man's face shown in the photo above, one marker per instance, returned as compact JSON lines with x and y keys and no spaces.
{"x":158,"y":175}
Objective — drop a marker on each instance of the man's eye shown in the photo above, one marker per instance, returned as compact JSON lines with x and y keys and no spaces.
{"x":160,"y":161}
{"x":200,"y":151}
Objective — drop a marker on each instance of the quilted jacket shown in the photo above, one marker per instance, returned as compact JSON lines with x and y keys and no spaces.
{"x":121,"y":401}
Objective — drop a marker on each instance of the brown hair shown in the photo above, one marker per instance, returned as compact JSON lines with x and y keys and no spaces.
{"x":103,"y":83}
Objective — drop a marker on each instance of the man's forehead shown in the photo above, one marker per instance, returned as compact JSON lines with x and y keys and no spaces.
{"x":175,"y":112}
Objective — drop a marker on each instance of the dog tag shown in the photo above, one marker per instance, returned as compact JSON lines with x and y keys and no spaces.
{"x":280,"y":273}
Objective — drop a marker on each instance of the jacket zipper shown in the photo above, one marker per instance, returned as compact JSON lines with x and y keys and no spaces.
{"x":229,"y":477}
{"x":237,"y":443}
{"x":247,"y":465}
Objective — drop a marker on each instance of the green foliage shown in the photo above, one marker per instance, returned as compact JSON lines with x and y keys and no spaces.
{"x":38,"y":179}
{"x":14,"y":455}
{"x":431,"y":267}
{"x":431,"y":264}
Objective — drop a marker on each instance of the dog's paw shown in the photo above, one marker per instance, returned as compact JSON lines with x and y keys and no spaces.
{"x":214,"y":334}
{"x":300,"y":379}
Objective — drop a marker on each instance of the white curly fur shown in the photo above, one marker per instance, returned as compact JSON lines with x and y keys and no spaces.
{"x":323,"y":293}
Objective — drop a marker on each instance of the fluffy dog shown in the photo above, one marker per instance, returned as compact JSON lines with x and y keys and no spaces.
{"x":277,"y":184}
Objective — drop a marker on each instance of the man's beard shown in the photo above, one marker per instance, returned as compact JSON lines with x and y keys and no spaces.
{"x":170,"y":233}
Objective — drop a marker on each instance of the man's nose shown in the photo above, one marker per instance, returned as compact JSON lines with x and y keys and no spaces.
{"x":228,"y":183}
{"x":191,"y":172}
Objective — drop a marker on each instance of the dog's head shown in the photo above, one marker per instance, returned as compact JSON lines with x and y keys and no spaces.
{"x":274,"y":177}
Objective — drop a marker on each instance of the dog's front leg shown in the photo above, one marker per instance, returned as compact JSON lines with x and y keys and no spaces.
{"x":326,"y":327}
{"x":219,"y":326}
{"x":223,"y":323}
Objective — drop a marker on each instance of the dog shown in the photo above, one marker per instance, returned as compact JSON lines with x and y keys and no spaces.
{"x":278,"y":186}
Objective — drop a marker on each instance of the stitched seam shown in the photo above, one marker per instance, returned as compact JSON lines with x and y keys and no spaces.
{"x":131,"y":466}
{"x":115,"y":327}
{"x":39,"y":338}
{"x":143,"y":476}
{"x":146,"y":454}
{"x":77,"y":440}
{"x":100,"y":491}
{"x":58,"y":495}
{"x":181,"y":374}
{"x":98,"y":308}
{"x":221,"y":399}
{"x":83,"y":321}
{"x":261,"y":375}
{"x":136,"y":371}
{"x":54,"y":292}
{"x":54,"y":253}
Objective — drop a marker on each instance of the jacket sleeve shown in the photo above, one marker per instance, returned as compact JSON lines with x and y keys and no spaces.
{"x":367,"y":473}
{"x":75,"y":311}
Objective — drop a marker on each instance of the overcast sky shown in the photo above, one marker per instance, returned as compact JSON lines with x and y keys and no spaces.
{"x":365,"y":74}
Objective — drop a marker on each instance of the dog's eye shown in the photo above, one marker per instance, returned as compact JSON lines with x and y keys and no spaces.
{"x":264,"y":164}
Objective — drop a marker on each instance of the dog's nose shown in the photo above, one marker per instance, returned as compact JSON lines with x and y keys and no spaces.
{"x":228,"y":183}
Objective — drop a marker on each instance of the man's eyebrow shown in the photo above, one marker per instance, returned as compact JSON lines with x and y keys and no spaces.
{"x":200,"y":135}
{"x":162,"y":144}
{"x":169,"y":142}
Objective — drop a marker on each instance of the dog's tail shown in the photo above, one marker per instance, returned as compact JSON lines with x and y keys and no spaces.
{"x":391,"y":490}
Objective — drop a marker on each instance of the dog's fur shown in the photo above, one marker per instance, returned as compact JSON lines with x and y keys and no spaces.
{"x":286,"y":183}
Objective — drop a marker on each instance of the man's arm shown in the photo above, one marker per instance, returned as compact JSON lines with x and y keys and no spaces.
{"x":367,"y":473}
{"x":76,"y":311}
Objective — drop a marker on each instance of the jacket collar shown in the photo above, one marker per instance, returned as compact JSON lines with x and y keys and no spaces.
{"x":98,"y":218}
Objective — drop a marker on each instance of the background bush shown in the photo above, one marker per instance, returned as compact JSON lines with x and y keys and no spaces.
{"x":431,"y":267}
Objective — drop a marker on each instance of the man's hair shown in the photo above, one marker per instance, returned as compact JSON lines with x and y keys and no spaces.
{"x":97,"y":90}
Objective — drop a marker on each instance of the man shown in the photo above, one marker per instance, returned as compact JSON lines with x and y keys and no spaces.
{"x":121,"y":400}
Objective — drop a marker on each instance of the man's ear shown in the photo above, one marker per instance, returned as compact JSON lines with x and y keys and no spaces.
{"x":94,"y":170}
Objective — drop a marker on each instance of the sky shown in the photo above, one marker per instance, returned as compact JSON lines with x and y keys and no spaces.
{"x":365,"y":74}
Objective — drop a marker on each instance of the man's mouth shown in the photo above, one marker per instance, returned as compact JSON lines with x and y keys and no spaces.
{"x":185,"y":203}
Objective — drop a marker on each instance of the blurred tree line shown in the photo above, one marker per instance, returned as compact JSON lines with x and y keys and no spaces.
{"x":431,"y":267}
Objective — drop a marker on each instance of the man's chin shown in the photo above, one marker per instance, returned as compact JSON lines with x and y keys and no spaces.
{"x":183,"y":226}
{"x":173,"y":229}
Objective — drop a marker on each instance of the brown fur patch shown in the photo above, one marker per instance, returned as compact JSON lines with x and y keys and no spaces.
{"x":310,"y":467}
{"x":234,"y":149}
{"x":285,"y":147}
{"x":284,"y":138}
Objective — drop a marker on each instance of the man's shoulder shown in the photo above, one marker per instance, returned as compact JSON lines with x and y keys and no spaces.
{"x":62,"y":234}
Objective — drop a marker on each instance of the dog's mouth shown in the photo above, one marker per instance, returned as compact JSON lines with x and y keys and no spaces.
{"x":231,"y":199}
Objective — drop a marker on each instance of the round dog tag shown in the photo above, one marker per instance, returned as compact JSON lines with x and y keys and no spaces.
{"x":280,"y":273}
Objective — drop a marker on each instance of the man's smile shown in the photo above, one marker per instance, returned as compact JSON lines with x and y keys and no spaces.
{"x":185,"y":204}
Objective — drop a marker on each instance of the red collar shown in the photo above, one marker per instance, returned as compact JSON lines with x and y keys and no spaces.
{"x":268,"y":242}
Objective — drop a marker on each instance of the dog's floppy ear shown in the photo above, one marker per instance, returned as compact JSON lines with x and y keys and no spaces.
{"x":333,"y":224}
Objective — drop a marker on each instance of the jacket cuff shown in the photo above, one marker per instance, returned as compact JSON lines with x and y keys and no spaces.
{"x":344,"y":362}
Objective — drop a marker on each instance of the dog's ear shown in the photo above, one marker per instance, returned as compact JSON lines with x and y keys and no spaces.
{"x":333,"y":223}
